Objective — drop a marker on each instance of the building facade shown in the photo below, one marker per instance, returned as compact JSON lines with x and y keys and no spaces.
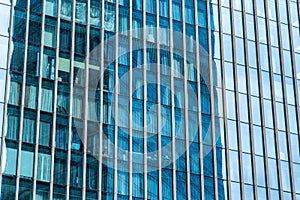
{"x":153,"y":99}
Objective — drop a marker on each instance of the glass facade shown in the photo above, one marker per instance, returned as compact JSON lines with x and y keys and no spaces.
{"x":153,"y":99}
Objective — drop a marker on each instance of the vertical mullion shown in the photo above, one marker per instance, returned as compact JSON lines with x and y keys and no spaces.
{"x":130,"y":103}
{"x":185,"y":101}
{"x":172,"y":102}
{"x":261,"y":100}
{"x":287,"y":132}
{"x":294,"y":71}
{"x":41,"y":57}
{"x":224,"y":99}
{"x":159,"y":101}
{"x":86,"y":100}
{"x":22,"y":101}
{"x":145,"y":98}
{"x":71,"y":101}
{"x":236,"y":92}
{"x":100,"y":157}
{"x":116,"y":95}
{"x":273,"y":101}
{"x":55,"y":101}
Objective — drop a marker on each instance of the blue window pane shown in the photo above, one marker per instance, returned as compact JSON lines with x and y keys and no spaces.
{"x":195,"y":189}
{"x":232,"y":135}
{"x":260,"y":170}
{"x":181,"y":185}
{"x":208,"y":188}
{"x":280,"y":116}
{"x":247,"y":168}
{"x":163,"y":8}
{"x":234,"y":165}
{"x":245,"y":134}
{"x":285,"y":174}
{"x":270,"y":143}
{"x":5,"y":19}
{"x":273,"y":179}
{"x":235,"y":190}
{"x":230,"y":103}
{"x":167,"y":183}
{"x":256,"y":110}
{"x":3,"y":52}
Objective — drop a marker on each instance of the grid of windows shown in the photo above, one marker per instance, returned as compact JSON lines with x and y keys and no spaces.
{"x":60,"y":125}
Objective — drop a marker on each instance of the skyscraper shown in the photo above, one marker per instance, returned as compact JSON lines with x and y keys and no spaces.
{"x":153,"y":99}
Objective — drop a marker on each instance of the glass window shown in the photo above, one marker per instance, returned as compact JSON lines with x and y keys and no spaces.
{"x":229,"y":76}
{"x":278,"y":86}
{"x":283,"y":152}
{"x":273,"y":180}
{"x":287,"y":63}
{"x":290,"y":95}
{"x":272,"y":9}
{"x":176,"y":9}
{"x":273,"y":33}
{"x":109,"y":18}
{"x":260,"y":5}
{"x":151,"y":7}
{"x":230,"y":103}
{"x":239,"y":48}
{"x":256,"y":110}
{"x":260,"y":170}
{"x":202,"y":14}
{"x":164,"y":8}
{"x":48,"y":68}
{"x":258,"y":140}
{"x":232,"y":135}
{"x":238,"y":23}
{"x":243,"y":101}
{"x":295,"y":148}
{"x":47,"y":96}
{"x":50,"y":33}
{"x":262,"y":30}
{"x":294,"y":14}
{"x":292,"y":119}
{"x":271,"y":143}
{"x":237,"y":4}
{"x":164,"y":32}
{"x":29,"y":123}
{"x":15,"y":89}
{"x":44,"y":167}
{"x":5,"y":19}
{"x":245,"y":134}
{"x":285,"y":37}
{"x":280,"y":116}
{"x":226,"y":20}
{"x":189,"y":11}
{"x":252,"y":54}
{"x":266,"y":85}
{"x":51,"y":8}
{"x":137,"y":5}
{"x":3,"y":52}
{"x":247,"y":168}
{"x":27,"y":158}
{"x":264,"y":55}
{"x":297,"y":178}
{"x":152,"y":180}
{"x":2,"y":84}
{"x":242,"y":84}
{"x":11,"y":161}
{"x":249,"y":6}
{"x":276,"y":60}
{"x":227,"y":47}
{"x":250,"y":26}
{"x":254,"y":82}
{"x":214,"y":13}
{"x":285,"y":175}
{"x":268,"y":113}
{"x":234,"y":165}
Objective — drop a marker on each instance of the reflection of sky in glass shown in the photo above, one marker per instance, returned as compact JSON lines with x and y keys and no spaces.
{"x":4,"y":22}
{"x":3,"y":51}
